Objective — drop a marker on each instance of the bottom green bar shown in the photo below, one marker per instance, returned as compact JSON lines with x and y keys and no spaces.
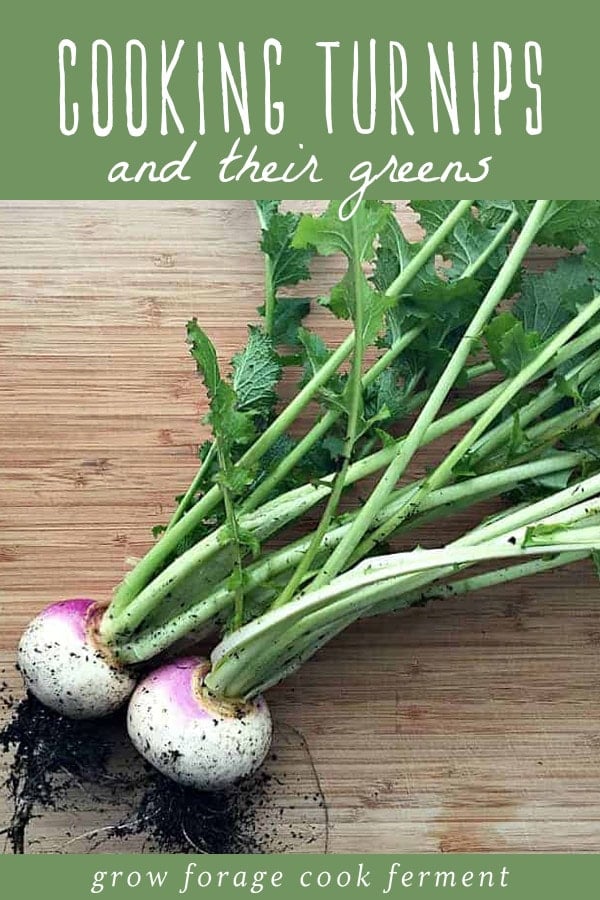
{"x":164,"y":876}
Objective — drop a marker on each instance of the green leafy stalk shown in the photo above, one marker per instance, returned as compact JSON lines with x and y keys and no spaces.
{"x":224,"y":542}
{"x":398,"y":346}
{"x":139,"y":577}
{"x":297,"y":453}
{"x":488,"y":251}
{"x":406,"y":451}
{"x":542,"y":434}
{"x":285,"y":266}
{"x":267,"y":520}
{"x":236,"y":659}
{"x":443,"y":472}
{"x":229,"y":427}
{"x":136,"y":580}
{"x":262,"y":208}
{"x":353,"y":398}
{"x":269,"y":569}
{"x":237,"y":576}
{"x":277,"y":513}
{"x":475,"y":583}
{"x":188,"y":498}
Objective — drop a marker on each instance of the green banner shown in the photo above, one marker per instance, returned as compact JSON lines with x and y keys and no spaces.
{"x":518,"y":877}
{"x":238,"y":100}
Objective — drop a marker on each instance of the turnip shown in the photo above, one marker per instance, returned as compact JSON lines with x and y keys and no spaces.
{"x":191,"y":736}
{"x":66,"y":667}
{"x":246,"y":429}
{"x":531,"y":431}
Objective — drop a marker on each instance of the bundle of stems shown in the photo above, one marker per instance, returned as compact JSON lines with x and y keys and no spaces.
{"x":530,"y":432}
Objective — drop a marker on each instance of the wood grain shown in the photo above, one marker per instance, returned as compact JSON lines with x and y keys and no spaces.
{"x":471,"y":725}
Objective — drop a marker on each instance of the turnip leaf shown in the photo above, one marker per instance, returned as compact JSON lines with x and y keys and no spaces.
{"x":289,"y":263}
{"x":511,"y":347}
{"x":550,"y":299}
{"x":256,"y":373}
{"x":287,"y":319}
{"x":285,"y":266}
{"x":328,"y":235}
{"x":568,"y":223}
{"x":467,"y":240}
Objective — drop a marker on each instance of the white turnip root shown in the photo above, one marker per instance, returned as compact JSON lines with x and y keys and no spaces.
{"x":191,"y":736}
{"x":64,"y":665}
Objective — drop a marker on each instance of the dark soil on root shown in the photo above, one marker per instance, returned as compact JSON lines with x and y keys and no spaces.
{"x":175,"y":819}
{"x":49,"y":754}
{"x":46,"y":747}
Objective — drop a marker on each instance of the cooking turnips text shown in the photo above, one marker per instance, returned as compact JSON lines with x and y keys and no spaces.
{"x":274,"y":109}
{"x":369,"y":84}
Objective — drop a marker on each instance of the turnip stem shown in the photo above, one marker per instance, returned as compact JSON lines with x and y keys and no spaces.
{"x":287,"y":507}
{"x":320,"y":627}
{"x":204,"y":609}
{"x":186,"y":500}
{"x":408,"y":448}
{"x":269,"y":291}
{"x":479,"y":582}
{"x":354,"y":395}
{"x":512,"y":387}
{"x":263,"y":491}
{"x":501,"y":235}
{"x":428,"y":249}
{"x":377,"y":578}
{"x":371,"y":464}
{"x":278,"y":562}
{"x":543,"y":401}
{"x":563,"y":504}
{"x":138,"y":578}
{"x":265,"y":521}
{"x":120,"y":625}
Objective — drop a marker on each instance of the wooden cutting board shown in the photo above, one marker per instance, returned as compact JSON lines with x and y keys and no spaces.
{"x":466,"y":725}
